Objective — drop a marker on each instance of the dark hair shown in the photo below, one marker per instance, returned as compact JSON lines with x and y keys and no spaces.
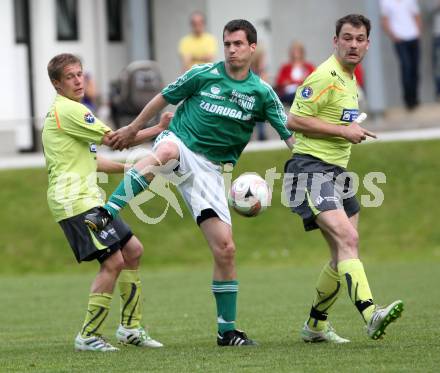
{"x":242,"y":24}
{"x":57,"y":64}
{"x":356,"y":20}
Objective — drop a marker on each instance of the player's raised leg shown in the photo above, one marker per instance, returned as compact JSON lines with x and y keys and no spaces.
{"x":224,"y":284}
{"x":130,"y":330}
{"x":135,"y":181}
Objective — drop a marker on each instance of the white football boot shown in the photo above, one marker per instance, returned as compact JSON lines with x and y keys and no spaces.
{"x":93,"y":343}
{"x":137,"y":337}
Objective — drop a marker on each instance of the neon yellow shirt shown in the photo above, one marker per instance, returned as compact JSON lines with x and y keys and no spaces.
{"x":197,"y":47}
{"x":70,"y":135}
{"x":330,"y":94}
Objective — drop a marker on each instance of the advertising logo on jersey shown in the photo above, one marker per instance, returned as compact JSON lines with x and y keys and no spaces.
{"x":89,"y":118}
{"x":215,"y":89}
{"x":349,"y":115}
{"x":93,"y":147}
{"x":307,"y":92}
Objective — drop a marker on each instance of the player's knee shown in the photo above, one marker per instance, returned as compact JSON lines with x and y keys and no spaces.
{"x":226,"y":253}
{"x":167,"y":152}
{"x":351,"y":239}
{"x":114,"y":263}
{"x":135,"y":250}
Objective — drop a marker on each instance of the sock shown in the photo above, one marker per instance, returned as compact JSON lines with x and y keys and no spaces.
{"x":225,"y":293}
{"x":130,"y":186}
{"x":327,"y":291}
{"x":130,"y":288}
{"x":352,"y":271}
{"x":97,"y":311}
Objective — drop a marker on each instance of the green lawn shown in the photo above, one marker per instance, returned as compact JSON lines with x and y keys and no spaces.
{"x":42,"y":313}
{"x":404,"y":226}
{"x":44,"y":293}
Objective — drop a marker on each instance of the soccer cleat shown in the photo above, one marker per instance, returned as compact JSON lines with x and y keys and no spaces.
{"x":382,"y":317}
{"x":327,"y":335}
{"x":93,"y":343}
{"x":234,"y":338}
{"x":97,"y":221}
{"x":137,"y":337}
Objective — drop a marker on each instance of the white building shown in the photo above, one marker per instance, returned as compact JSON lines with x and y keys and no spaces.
{"x":108,"y":34}
{"x":33,"y":31}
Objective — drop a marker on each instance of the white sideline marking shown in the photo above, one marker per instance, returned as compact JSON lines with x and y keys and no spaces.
{"x":37,"y":160}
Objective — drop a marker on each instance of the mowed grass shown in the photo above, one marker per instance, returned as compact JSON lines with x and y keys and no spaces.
{"x":44,"y":293}
{"x":41,"y":315}
{"x":404,"y":226}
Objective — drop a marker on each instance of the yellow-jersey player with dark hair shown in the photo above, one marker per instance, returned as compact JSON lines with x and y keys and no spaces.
{"x":324,"y":118}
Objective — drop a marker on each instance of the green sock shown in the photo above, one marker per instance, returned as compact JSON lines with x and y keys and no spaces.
{"x":225,"y":293}
{"x":97,"y":311}
{"x":130,"y":186}
{"x":359,"y":291}
{"x":327,"y":291}
{"x":130,"y":288}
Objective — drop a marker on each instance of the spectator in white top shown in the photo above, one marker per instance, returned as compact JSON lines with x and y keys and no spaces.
{"x":436,"y":47}
{"x":402,"y":22}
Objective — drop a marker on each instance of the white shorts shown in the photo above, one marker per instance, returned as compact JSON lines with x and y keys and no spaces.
{"x":200,"y":181}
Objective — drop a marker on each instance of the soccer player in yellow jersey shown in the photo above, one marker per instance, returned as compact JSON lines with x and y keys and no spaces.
{"x":199,"y":46}
{"x":323,"y":115}
{"x":70,"y":135}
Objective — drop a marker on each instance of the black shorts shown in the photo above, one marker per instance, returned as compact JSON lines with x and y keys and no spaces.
{"x":313,"y":186}
{"x":88,"y":245}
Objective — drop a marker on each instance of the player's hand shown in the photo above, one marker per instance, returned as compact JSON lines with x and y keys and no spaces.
{"x":356,"y":134}
{"x":165,"y":120}
{"x":122,"y":138}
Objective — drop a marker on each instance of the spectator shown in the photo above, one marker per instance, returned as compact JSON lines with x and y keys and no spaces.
{"x":402,"y":22}
{"x":360,"y":80}
{"x":90,"y":98}
{"x":199,"y":46}
{"x":258,"y":67}
{"x":292,"y":74}
{"x":436,"y":48}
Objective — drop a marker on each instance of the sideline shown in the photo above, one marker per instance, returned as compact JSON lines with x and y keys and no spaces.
{"x":37,"y":160}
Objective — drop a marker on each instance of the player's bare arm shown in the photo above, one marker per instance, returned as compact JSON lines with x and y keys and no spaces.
{"x":148,"y":134}
{"x":108,"y":166}
{"x":122,"y":138}
{"x":290,"y":142}
{"x":317,"y":128}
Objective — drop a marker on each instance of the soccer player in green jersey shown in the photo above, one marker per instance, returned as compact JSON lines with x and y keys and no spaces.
{"x":323,"y":116}
{"x":70,"y":135}
{"x":220,"y":104}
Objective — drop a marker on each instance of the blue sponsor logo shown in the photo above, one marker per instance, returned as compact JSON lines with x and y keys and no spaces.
{"x":93,"y":148}
{"x":89,"y":118}
{"x":307,"y":92}
{"x":349,"y":115}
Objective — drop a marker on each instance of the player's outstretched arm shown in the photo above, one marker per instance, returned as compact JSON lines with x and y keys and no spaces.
{"x":124,"y":137}
{"x":290,"y":142}
{"x":148,"y":134}
{"x":312,"y":126}
{"x":108,"y":166}
{"x":317,"y":128}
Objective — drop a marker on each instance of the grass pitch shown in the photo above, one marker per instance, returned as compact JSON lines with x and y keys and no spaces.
{"x":404,"y":226}
{"x":44,"y":293}
{"x":41,"y":315}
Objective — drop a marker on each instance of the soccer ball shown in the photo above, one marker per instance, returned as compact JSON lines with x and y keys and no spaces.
{"x":249,"y":194}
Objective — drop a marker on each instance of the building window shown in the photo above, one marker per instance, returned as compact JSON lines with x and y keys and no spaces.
{"x":21,"y":18}
{"x":67,"y":20}
{"x":114,"y":20}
